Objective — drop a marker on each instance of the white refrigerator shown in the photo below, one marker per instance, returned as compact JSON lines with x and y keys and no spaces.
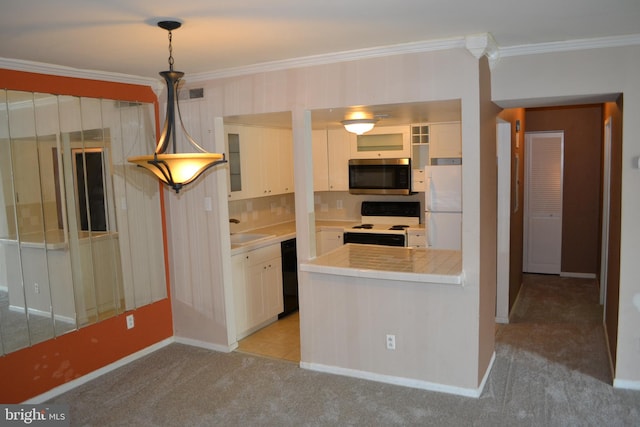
{"x":443,"y":205}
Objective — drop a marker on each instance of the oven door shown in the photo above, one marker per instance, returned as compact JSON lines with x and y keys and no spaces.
{"x":375,"y":238}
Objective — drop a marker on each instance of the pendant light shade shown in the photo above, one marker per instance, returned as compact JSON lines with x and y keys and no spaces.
{"x":178,"y":170}
{"x":175,"y":169}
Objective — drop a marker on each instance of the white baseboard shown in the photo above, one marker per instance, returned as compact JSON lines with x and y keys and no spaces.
{"x":626,"y":384}
{"x":578,"y":275}
{"x":41,"y":313}
{"x":504,"y":320}
{"x":98,"y":372}
{"x":207,"y":345}
{"x":401,"y":381}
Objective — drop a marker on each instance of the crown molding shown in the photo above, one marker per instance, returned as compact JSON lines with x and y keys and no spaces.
{"x":570,"y":45}
{"x":59,"y":70}
{"x":480,"y":45}
{"x":331,"y":58}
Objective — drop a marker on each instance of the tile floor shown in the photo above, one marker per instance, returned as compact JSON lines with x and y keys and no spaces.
{"x":280,"y":340}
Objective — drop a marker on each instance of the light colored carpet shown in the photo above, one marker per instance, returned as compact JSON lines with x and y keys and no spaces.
{"x":533,"y":383}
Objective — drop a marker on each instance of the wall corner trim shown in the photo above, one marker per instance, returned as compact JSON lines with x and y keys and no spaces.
{"x":480,"y":45}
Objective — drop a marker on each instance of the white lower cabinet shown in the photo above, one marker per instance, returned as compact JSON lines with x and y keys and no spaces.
{"x":328,"y":240}
{"x":257,"y":284}
{"x":416,"y":238}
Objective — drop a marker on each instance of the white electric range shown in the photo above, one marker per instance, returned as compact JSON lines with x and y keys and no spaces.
{"x":384,"y":223}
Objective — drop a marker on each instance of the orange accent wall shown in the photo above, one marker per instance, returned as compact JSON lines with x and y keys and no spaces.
{"x":35,"y":370}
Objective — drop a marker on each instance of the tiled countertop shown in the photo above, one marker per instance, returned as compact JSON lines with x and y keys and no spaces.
{"x":391,"y":263}
{"x":285,"y":231}
{"x":378,"y":262}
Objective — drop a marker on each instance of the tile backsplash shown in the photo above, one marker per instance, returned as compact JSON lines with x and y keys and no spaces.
{"x":261,"y":212}
{"x":328,"y":205}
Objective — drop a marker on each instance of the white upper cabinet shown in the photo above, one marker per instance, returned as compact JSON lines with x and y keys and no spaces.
{"x":237,"y":147}
{"x":260,"y":161}
{"x":331,"y":152}
{"x":277,"y":149}
{"x":445,"y":140}
{"x":388,"y":142}
{"x":320,"y":160}
{"x":338,"y":154}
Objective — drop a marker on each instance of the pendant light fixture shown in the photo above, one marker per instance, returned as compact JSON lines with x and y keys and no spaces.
{"x":359,"y":126}
{"x":175,"y":169}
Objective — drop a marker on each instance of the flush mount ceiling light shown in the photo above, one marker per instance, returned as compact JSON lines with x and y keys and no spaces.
{"x":175,"y":169}
{"x":359,"y":126}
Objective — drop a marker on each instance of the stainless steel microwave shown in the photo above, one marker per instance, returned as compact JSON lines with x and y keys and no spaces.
{"x":380,"y":176}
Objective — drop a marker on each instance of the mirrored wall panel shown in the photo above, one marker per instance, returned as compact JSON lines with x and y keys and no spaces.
{"x":80,"y":227}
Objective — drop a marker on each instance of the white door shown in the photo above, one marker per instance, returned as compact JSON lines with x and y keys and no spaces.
{"x":543,"y":202}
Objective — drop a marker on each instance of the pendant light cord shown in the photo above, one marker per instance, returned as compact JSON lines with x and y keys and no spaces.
{"x":170,"y":52}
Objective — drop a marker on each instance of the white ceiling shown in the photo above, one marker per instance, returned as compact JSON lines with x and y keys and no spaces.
{"x":121,"y":36}
{"x":223,"y":36}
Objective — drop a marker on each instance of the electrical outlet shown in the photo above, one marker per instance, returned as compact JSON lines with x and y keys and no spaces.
{"x":391,"y":342}
{"x":130,"y":321}
{"x":36,"y":288}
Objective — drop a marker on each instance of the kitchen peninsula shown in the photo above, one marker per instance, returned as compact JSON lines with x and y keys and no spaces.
{"x":390,"y":314}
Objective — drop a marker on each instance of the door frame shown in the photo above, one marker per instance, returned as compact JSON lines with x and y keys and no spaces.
{"x":503,"y":149}
{"x":606,"y":206}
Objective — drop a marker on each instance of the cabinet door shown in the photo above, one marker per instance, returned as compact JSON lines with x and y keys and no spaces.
{"x":416,"y":238}
{"x":328,"y":240}
{"x":260,"y":154}
{"x":238,"y":265}
{"x":262,"y":287}
{"x":272,"y":282}
{"x":388,"y":142}
{"x":320,"y":160}
{"x":338,"y":154}
{"x":446,"y":140}
{"x":256,"y":313}
{"x":240,"y":167}
{"x":278,"y":171}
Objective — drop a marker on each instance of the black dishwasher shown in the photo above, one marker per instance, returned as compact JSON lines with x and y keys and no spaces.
{"x":289,"y":277}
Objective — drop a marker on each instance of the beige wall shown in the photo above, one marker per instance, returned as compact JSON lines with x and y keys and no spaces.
{"x":199,"y":240}
{"x":488,"y":215}
{"x":518,"y":80}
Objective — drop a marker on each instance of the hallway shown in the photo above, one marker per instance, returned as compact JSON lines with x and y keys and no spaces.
{"x":559,"y":319}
